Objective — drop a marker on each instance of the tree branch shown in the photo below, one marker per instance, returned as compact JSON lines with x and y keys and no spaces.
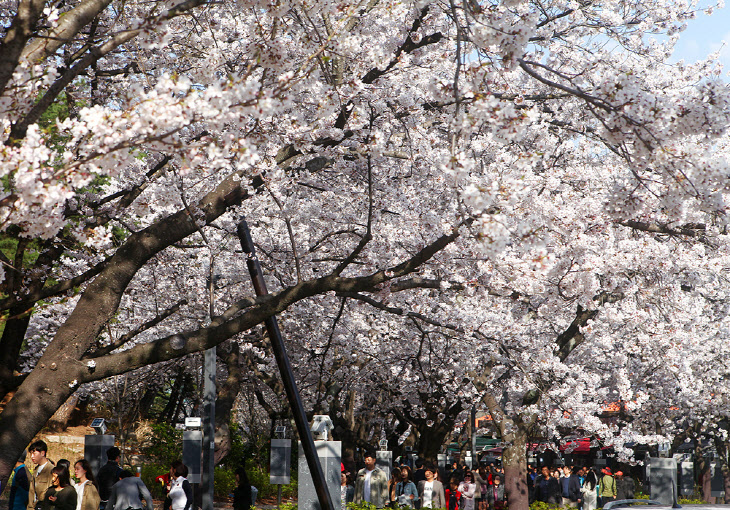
{"x":572,"y":337}
{"x":107,"y":349}
{"x":224,"y":327}
{"x":688,"y":230}
{"x":67,"y":26}
{"x":20,"y":31}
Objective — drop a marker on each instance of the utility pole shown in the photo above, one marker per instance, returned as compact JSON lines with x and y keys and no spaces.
{"x":287,"y":375}
{"x":209,"y":393}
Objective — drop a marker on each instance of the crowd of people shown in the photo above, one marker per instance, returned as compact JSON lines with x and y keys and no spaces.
{"x":460,"y":488}
{"x":453,"y":488}
{"x":49,"y":486}
{"x":578,"y":487}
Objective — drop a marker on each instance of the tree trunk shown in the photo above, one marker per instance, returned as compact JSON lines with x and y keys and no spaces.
{"x":706,"y":483}
{"x":226,"y":399}
{"x":59,"y":420}
{"x":10,"y":345}
{"x":514,"y":461}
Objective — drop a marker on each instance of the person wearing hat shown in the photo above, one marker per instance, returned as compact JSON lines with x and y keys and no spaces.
{"x":606,"y":487}
{"x":624,"y":486}
{"x":371,"y":484}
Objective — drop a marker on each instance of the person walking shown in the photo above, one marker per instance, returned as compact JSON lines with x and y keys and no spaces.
{"x":371,"y":484}
{"x":60,"y":495}
{"x":406,"y":489}
{"x":480,"y":478}
{"x":589,"y":491}
{"x":347,"y":491}
{"x":128,"y":494}
{"x":495,"y":494}
{"x":108,"y":475}
{"x":570,"y":487}
{"x":18,"y":497}
{"x":40,"y":480}
{"x":625,"y":488}
{"x":242,"y":497}
{"x":606,"y":487}
{"x":547,"y":487}
{"x":395,"y":477}
{"x":431,"y":491}
{"x":86,"y":491}
{"x":468,"y":489}
{"x":181,"y":493}
{"x":453,"y":496}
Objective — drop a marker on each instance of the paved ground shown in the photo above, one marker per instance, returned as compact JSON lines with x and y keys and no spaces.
{"x":218,"y":505}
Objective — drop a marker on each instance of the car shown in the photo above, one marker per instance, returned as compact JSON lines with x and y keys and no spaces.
{"x":624,"y":503}
{"x":656,"y":505}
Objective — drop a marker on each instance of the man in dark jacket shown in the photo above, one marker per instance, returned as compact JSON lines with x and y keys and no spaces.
{"x":108,"y":475}
{"x":547,"y":488}
{"x":624,"y":486}
{"x":570,"y":487}
{"x":242,"y":496}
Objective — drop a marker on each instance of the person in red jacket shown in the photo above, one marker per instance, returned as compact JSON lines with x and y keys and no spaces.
{"x":453,"y":496}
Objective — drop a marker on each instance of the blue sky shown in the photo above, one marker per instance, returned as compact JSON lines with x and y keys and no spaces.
{"x":704,"y":35}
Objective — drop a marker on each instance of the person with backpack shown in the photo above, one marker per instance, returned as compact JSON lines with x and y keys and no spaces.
{"x":606,"y":487}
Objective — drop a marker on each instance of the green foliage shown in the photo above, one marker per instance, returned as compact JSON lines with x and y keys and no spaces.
{"x":239,"y":451}
{"x":288,"y":506}
{"x":256,"y":449}
{"x":9,"y":245}
{"x":541,"y":505}
{"x":164,"y":445}
{"x":259,"y":478}
{"x":640,"y":495}
{"x":363,"y":505}
{"x":693,"y":501}
{"x":57,"y":111}
{"x":149,"y":473}
{"x":224,"y":481}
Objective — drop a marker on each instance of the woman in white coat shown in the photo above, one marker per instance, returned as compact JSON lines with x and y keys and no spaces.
{"x":590,"y":495}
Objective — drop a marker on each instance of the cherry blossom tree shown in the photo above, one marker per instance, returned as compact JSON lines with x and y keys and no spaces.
{"x":515,"y":202}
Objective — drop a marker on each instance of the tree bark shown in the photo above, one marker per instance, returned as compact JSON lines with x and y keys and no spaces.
{"x":61,"y":369}
{"x":59,"y":420}
{"x":226,"y":399}
{"x":514,"y":461}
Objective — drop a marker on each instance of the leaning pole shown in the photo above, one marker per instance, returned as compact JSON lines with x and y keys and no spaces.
{"x":287,"y":376}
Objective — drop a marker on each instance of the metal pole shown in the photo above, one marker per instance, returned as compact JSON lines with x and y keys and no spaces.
{"x":474,"y":437}
{"x":209,"y":390}
{"x":287,"y":375}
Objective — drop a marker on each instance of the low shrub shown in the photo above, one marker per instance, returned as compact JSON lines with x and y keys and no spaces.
{"x":150,"y":471}
{"x":694,"y":501}
{"x":224,"y":481}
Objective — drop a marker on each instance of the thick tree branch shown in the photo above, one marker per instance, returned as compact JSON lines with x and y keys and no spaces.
{"x":688,"y":230}
{"x":68,"y":25}
{"x":220,"y":329}
{"x":20,"y":31}
{"x":572,"y":337}
{"x":122,"y":340}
